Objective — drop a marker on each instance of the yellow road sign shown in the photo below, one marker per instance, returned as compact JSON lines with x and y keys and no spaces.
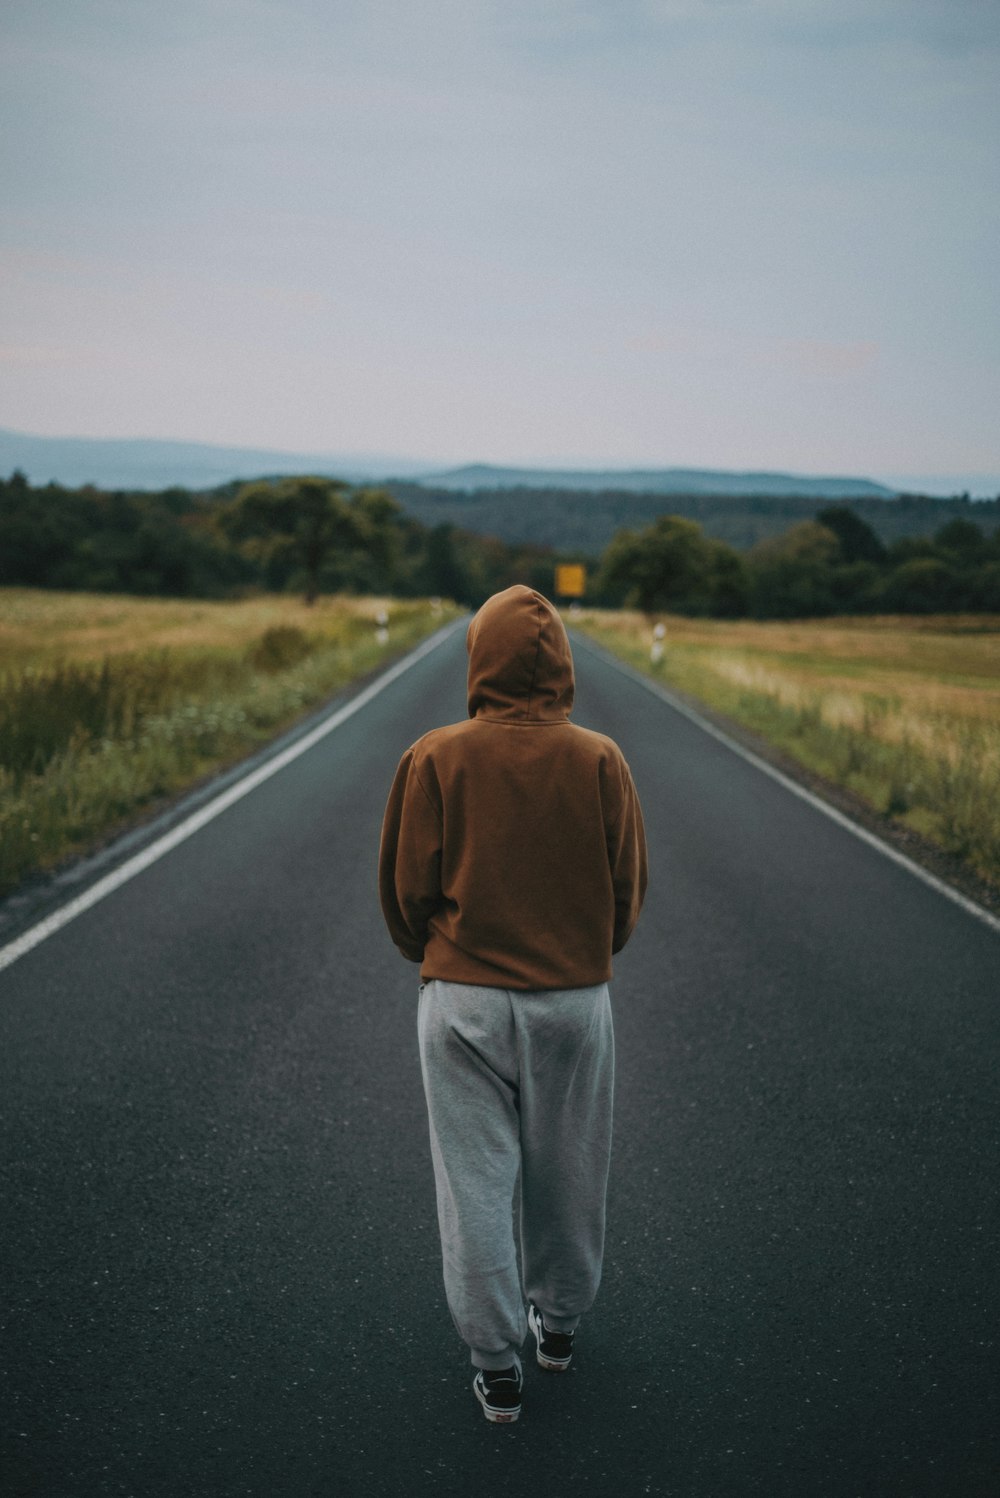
{"x":571,"y":580}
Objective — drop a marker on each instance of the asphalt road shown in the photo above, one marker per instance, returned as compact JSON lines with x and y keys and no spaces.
{"x":220,"y":1260}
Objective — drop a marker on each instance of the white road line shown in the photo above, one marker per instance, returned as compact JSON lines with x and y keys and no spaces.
{"x":233,"y":793}
{"x":970,"y":906}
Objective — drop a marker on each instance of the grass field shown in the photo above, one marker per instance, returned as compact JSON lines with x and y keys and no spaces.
{"x":903,"y":711}
{"x":108,"y":704}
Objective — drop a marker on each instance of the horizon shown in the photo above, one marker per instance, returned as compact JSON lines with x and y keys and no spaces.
{"x":403,"y":467}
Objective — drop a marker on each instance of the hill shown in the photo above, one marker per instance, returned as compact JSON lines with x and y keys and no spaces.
{"x":687,"y":481}
{"x":584,"y":521}
{"x":152,"y":463}
{"x":146,"y":463}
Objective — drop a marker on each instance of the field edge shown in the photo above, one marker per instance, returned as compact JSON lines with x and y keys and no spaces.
{"x":929,"y":855}
{"x":44,"y":889}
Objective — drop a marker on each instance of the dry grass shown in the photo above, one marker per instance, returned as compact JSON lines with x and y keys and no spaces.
{"x":108,"y":704}
{"x":903,"y":711}
{"x":39,"y":628}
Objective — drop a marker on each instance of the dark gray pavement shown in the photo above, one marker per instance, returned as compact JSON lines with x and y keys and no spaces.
{"x":220,"y":1264}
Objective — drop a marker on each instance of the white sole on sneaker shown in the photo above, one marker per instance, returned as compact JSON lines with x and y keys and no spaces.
{"x":494,"y":1416}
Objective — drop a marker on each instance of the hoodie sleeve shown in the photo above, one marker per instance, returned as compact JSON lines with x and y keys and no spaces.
{"x":410,"y":861}
{"x":627,"y":857}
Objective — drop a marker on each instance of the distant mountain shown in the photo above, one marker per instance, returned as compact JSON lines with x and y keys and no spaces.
{"x":478,"y":476}
{"x":146,"y":463}
{"x":976,"y":485}
{"x":152,"y":463}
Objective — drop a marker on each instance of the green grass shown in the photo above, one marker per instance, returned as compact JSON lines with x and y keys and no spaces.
{"x":905,"y":714}
{"x":88,"y":743}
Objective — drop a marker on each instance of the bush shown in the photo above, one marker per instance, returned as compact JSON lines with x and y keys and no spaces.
{"x":281,"y":646}
{"x":77,"y":705}
{"x":983,"y":588}
{"x":923,"y":585}
{"x":40,"y":715}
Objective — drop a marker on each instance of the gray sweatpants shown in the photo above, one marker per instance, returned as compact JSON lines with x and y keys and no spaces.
{"x":518,"y":1081}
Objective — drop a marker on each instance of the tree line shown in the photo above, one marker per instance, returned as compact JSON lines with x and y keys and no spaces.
{"x":586,"y":520}
{"x":834,"y":564}
{"x":310,"y":535}
{"x":318,"y":535}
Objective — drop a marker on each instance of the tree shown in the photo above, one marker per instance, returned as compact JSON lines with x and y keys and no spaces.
{"x":441,"y":571}
{"x":791,"y":575}
{"x":377,"y":540}
{"x":858,"y":541}
{"x":961,"y":540}
{"x":670,"y":565}
{"x":298,"y":520}
{"x":729,"y":581}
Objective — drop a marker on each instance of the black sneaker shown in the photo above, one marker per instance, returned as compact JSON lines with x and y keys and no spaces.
{"x":555,"y":1349}
{"x":499,"y":1392}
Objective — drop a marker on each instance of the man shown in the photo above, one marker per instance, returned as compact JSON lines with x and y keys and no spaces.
{"x":512,"y":866}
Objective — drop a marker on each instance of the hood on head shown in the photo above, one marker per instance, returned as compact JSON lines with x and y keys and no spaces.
{"x":520,"y":663}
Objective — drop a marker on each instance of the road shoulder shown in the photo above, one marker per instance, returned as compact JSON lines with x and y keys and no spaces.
{"x":920,"y":850}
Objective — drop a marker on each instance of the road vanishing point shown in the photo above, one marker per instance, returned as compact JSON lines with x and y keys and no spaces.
{"x":221,"y":1270}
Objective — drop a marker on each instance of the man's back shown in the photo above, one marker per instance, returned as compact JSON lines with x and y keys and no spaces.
{"x":513,"y":853}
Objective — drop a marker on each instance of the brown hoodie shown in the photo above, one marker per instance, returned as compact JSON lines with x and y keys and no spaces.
{"x":513,"y":853}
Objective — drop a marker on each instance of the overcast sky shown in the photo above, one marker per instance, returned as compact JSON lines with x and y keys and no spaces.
{"x":732,"y":233}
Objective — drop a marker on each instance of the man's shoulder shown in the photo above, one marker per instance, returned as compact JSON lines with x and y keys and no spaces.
{"x":438,"y":738}
{"x":597,"y":744}
{"x":441,"y":745}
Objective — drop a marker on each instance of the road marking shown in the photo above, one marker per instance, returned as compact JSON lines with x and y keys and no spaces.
{"x":871,"y":838}
{"x":233,"y":793}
